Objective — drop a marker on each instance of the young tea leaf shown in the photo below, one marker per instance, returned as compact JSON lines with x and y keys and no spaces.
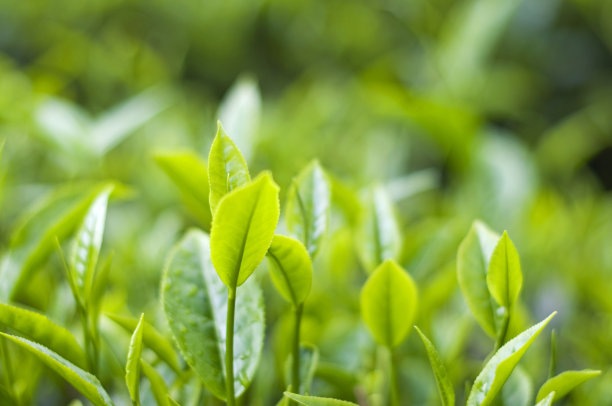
{"x":317,"y":401}
{"x":472,"y":263}
{"x":504,"y":276}
{"x":195,"y":303}
{"x":308,"y":207}
{"x":290,"y":269}
{"x":243,"y":228}
{"x":563,"y":383}
{"x":158,"y":385}
{"x":82,"y":381}
{"x":40,"y":329}
{"x":132,"y":367}
{"x":547,"y":401}
{"x":227,"y":169}
{"x":445,"y":386}
{"x":388,"y":303}
{"x":497,"y":370}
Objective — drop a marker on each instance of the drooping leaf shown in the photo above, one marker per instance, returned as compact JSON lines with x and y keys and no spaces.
{"x":309,"y":359}
{"x":379,"y":235}
{"x":563,"y":383}
{"x":151,"y":338}
{"x":243,"y":228}
{"x":445,"y":386}
{"x":227,"y":169}
{"x":497,"y":370}
{"x":87,"y":244}
{"x":82,"y":381}
{"x":132,"y":367}
{"x":195,"y":303}
{"x":38,"y":328}
{"x":308,"y":207}
{"x":473,"y":259}
{"x":388,"y":303}
{"x":547,"y":401}
{"x":189,"y":173}
{"x":290,"y":269}
{"x":158,"y":385}
{"x":317,"y":401}
{"x":504,"y":276}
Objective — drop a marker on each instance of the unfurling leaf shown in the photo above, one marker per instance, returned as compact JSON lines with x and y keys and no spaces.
{"x":290,"y":269}
{"x":504,"y":276}
{"x":132,"y":367}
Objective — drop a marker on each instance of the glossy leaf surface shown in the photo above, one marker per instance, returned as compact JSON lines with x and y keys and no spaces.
{"x":82,"y":381}
{"x":227,"y":169}
{"x":132,"y":367}
{"x":317,"y":401}
{"x":504,"y":276}
{"x":195,"y":303}
{"x":308,"y":207}
{"x":388,"y":303}
{"x":290,"y":269}
{"x":445,"y":386}
{"x":497,"y":370}
{"x":563,"y":383}
{"x":243,"y":228}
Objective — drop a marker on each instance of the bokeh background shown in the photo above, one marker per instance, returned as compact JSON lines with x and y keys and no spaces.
{"x":463,"y":109}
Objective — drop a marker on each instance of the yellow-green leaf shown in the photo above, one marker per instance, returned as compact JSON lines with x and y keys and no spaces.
{"x":317,"y":401}
{"x":158,"y":385}
{"x":445,"y":386}
{"x":547,"y":401}
{"x":563,"y":383}
{"x":290,"y":269}
{"x":504,"y":276}
{"x":388,"y":303}
{"x":132,"y":367}
{"x":243,"y":228}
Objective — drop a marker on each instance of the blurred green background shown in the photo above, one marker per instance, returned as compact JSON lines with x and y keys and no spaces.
{"x":492,"y":109}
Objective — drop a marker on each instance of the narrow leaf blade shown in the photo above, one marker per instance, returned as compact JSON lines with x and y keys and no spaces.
{"x":290,"y":269}
{"x":317,"y":401}
{"x":132,"y":367}
{"x":158,"y":385}
{"x":445,"y":386}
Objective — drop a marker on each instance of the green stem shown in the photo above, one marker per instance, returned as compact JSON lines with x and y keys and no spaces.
{"x":229,"y":348}
{"x":91,"y":347}
{"x":295,"y":373}
{"x":8,"y":371}
{"x":393,"y":387}
{"x":501,"y":338}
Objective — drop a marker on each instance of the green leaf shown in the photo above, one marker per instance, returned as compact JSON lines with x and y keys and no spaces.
{"x":504,"y":276}
{"x":82,"y":381}
{"x":308,"y":207}
{"x":38,"y":328}
{"x":497,"y":370}
{"x":195,"y":303}
{"x":547,"y":401}
{"x":173,"y":402}
{"x":132,"y":367}
{"x":309,"y":359}
{"x":388,"y":303}
{"x":563,"y":383}
{"x":290,"y":269}
{"x":317,"y":401}
{"x":518,"y":390}
{"x":473,"y":259}
{"x":189,"y":173}
{"x":445,"y":386}
{"x":152,"y":339}
{"x":158,"y":385}
{"x":379,"y":235}
{"x":243,"y":228}
{"x":227,"y":169}
{"x":87,"y":244}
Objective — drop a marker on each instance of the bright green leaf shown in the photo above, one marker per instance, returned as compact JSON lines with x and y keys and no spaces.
{"x":317,"y":401}
{"x":563,"y":383}
{"x":497,"y":370}
{"x":82,"y":381}
{"x":547,"y":401}
{"x":308,"y":207}
{"x":158,"y":385}
{"x":290,"y":269}
{"x":445,"y":386}
{"x":504,"y":276}
{"x":195,"y":303}
{"x":132,"y":367}
{"x":40,"y":329}
{"x":243,"y":228}
{"x":388,"y":303}
{"x":473,"y":259}
{"x":173,"y":402}
{"x":227,"y":169}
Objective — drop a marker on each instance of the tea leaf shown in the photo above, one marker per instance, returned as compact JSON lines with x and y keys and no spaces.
{"x":173,"y":402}
{"x":379,"y":231}
{"x":227,"y":169}
{"x":158,"y":385}
{"x":82,"y":381}
{"x":132,"y":368}
{"x":308,"y":207}
{"x":472,"y":263}
{"x":445,"y":386}
{"x":317,"y":401}
{"x":290,"y":269}
{"x":563,"y":383}
{"x":152,"y":339}
{"x":39,"y":328}
{"x":518,"y":390}
{"x":195,"y":303}
{"x":504,"y":276}
{"x":497,"y":370}
{"x":243,"y":228}
{"x":388,"y":303}
{"x":547,"y":401}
